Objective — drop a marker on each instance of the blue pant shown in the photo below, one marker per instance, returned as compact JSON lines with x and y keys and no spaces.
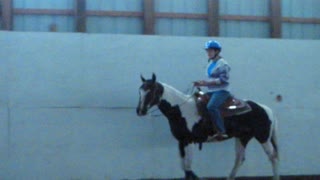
{"x":216,"y":100}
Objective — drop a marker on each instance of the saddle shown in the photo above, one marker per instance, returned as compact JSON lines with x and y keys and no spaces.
{"x":232,"y":106}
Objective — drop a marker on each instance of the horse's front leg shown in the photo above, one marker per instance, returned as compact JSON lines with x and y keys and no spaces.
{"x":185,"y":150}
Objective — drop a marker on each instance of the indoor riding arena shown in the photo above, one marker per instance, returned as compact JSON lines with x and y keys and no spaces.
{"x":71,"y":72}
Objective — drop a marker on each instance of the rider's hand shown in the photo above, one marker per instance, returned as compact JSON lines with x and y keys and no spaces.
{"x":199,"y":83}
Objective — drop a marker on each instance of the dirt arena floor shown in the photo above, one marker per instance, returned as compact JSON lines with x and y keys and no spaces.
{"x":308,"y":177}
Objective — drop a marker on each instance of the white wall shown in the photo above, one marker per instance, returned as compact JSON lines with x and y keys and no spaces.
{"x":67,"y":104}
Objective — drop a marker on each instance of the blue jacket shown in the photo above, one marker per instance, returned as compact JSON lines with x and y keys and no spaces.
{"x":218,"y":71}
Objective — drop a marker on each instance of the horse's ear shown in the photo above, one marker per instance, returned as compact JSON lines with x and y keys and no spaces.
{"x":142,"y":78}
{"x":153,"y":77}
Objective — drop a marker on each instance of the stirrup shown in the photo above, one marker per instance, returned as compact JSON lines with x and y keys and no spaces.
{"x":220,"y":135}
{"x":217,"y":137}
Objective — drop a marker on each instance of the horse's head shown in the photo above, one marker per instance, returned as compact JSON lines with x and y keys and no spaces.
{"x":150,"y":94}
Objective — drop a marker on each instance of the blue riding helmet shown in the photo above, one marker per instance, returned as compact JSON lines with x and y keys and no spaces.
{"x":212,"y":44}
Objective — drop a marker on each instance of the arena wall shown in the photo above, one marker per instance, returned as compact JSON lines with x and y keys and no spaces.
{"x":67,"y":104}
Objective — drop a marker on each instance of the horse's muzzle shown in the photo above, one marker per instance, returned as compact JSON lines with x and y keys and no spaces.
{"x":141,"y":112}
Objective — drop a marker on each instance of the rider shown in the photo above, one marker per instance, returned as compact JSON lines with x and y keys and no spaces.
{"x":217,"y":84}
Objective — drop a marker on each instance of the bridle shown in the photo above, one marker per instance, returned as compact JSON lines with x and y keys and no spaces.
{"x":154,"y":96}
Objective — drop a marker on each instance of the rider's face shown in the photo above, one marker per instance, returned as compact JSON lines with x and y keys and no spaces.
{"x":211,"y":53}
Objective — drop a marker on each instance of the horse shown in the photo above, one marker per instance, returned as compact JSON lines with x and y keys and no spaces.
{"x":181,"y":111}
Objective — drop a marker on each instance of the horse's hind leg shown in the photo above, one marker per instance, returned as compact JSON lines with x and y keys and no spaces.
{"x":270,"y":146}
{"x":273,"y":157}
{"x":240,"y":146}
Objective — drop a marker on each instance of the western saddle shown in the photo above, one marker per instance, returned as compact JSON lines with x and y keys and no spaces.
{"x":232,"y":106}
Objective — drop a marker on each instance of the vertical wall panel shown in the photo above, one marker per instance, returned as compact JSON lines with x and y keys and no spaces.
{"x":43,"y":4}
{"x":182,"y":27}
{"x":244,"y":7}
{"x":168,"y":26}
{"x":243,"y":28}
{"x":301,"y":31}
{"x":116,"y":25}
{"x":182,"y":6}
{"x":43,"y":22}
{"x":298,"y":8}
{"x":115,"y":5}
{"x":312,"y":31}
{"x":173,"y":27}
{"x":301,"y":9}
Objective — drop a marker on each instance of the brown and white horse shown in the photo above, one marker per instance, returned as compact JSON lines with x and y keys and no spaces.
{"x":181,"y":112}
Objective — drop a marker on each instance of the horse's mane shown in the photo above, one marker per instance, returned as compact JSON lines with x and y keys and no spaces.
{"x":176,"y":91}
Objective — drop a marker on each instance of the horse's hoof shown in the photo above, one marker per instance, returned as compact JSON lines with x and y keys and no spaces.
{"x":191,"y":176}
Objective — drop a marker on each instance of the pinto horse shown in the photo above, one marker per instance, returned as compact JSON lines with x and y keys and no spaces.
{"x":181,"y":112}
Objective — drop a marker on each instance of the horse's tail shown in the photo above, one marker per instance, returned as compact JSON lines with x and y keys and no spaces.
{"x":274,"y":139}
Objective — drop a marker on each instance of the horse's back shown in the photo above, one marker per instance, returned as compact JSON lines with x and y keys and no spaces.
{"x":255,"y":123}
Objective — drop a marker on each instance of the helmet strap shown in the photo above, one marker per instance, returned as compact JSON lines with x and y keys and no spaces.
{"x":215,"y":56}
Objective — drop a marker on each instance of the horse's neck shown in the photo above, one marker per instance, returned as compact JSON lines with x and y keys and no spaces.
{"x":174,"y":96}
{"x":186,"y":104}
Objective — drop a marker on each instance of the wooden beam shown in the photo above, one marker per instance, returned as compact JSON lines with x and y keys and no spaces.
{"x":57,"y":12}
{"x":213,"y":18}
{"x":148,"y":17}
{"x":244,"y":18}
{"x":133,"y":14}
{"x":114,"y":13}
{"x":275,"y":18}
{"x":7,"y":17}
{"x":180,"y":15}
{"x":301,"y":20}
{"x":80,"y":15}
